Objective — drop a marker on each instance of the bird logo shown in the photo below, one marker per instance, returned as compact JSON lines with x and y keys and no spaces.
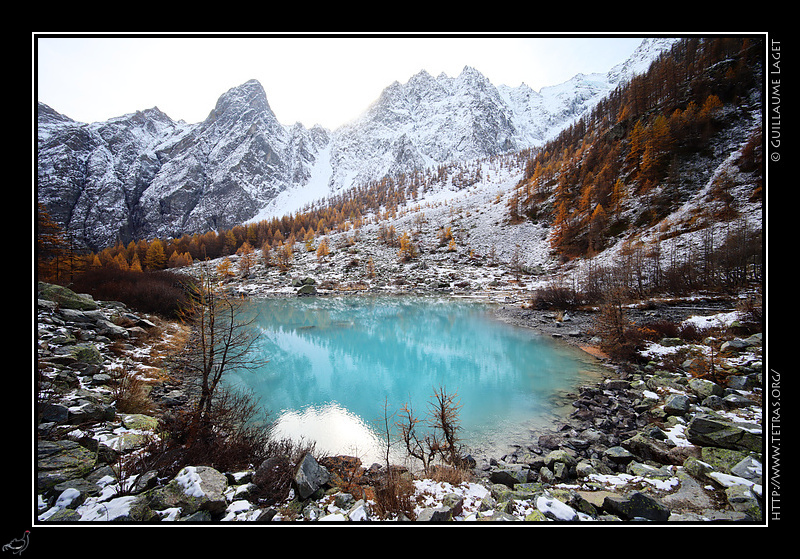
{"x":18,"y":545}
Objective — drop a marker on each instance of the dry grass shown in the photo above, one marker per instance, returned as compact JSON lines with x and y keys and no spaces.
{"x":131,"y":392}
{"x":393,"y":495}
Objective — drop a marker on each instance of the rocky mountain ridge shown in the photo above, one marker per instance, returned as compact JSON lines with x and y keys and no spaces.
{"x":144,"y":175}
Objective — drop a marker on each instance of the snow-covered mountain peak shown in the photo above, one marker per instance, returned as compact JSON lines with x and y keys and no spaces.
{"x":644,"y":55}
{"x":162,"y":178}
{"x":246,"y":100}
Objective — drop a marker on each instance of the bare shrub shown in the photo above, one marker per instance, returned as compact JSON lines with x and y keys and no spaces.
{"x":619,"y":337}
{"x":442,"y":442}
{"x":557,"y":297}
{"x":163,"y":292}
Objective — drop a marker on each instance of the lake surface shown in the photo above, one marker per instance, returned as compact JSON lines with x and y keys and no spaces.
{"x":336,"y":364}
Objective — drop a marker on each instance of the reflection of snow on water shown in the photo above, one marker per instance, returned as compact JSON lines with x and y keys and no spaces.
{"x":333,"y":430}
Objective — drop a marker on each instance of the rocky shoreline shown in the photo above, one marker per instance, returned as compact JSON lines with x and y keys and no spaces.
{"x":647,"y":443}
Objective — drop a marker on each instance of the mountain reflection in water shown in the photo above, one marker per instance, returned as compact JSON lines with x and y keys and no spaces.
{"x":335,"y":365}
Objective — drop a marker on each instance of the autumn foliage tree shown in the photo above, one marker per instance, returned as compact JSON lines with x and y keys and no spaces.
{"x":628,"y":144}
{"x":407,"y":249}
{"x":155,"y":258}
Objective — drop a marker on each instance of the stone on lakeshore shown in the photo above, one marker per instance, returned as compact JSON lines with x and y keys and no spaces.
{"x":310,"y":476}
{"x":555,"y":509}
{"x":55,"y":413}
{"x":648,"y":448}
{"x":66,"y":298}
{"x":636,"y":505}
{"x":742,"y":499}
{"x":645,"y":470}
{"x":139,"y":421}
{"x":733,"y":346}
{"x":549,"y":441}
{"x":722,"y":459}
{"x":498,"y":516}
{"x":749,"y":468}
{"x":85,"y":353}
{"x":502,"y":493}
{"x":589,"y":466}
{"x":438,"y":514}
{"x":618,"y":455}
{"x":560,"y":456}
{"x":742,"y":382}
{"x":270,"y":470}
{"x":617,"y":384}
{"x":307,"y":290}
{"x":733,"y":401}
{"x":454,"y":502}
{"x":691,"y":493}
{"x":508,"y":476}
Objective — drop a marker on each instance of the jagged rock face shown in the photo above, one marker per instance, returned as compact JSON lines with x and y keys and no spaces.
{"x":90,"y":177}
{"x":143,"y":175}
{"x":222,"y":170}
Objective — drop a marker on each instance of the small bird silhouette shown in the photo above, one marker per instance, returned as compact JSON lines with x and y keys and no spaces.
{"x":18,"y":545}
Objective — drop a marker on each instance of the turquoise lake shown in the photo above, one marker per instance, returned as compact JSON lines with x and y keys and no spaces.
{"x":336,"y":364}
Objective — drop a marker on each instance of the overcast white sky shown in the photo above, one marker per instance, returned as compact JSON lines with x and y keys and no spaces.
{"x":327,"y":81}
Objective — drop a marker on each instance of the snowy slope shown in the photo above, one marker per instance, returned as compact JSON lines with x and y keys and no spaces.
{"x":143,"y":175}
{"x":431,"y":121}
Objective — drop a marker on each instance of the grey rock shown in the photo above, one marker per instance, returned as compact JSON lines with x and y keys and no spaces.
{"x":192,"y":489}
{"x":742,"y":499}
{"x":677,"y":404}
{"x":749,"y":468}
{"x":307,"y":290}
{"x":618,"y":455}
{"x":636,"y":505}
{"x":705,"y":388}
{"x":437,"y":514}
{"x":508,"y":476}
{"x":310,"y":476}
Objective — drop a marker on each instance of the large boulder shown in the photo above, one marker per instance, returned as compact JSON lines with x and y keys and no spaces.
{"x":509,"y":476}
{"x":710,"y":430}
{"x":82,"y":353}
{"x":307,"y":289}
{"x":650,"y":449}
{"x":704,"y":388}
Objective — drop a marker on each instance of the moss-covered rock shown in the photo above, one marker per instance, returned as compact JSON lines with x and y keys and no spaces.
{"x":65,"y":298}
{"x":59,"y":461}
